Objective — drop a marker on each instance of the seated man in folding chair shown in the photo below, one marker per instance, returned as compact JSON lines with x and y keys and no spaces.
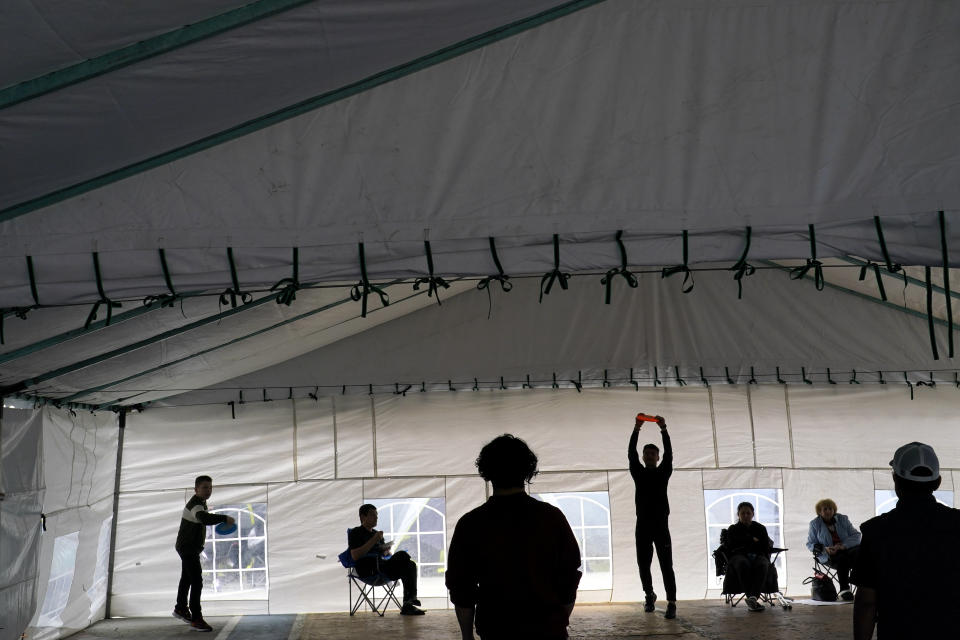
{"x":371,"y":555}
{"x":748,"y":547}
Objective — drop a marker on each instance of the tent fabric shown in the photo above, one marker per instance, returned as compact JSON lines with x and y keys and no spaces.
{"x":21,"y":499}
{"x":774,"y":117}
{"x":581,"y":440}
{"x":778,"y":323}
{"x":186,"y":94}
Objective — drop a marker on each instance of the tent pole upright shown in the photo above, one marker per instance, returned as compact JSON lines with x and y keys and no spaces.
{"x":116,"y":504}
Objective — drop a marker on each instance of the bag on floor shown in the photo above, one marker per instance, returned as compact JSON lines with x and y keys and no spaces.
{"x":821,"y":588}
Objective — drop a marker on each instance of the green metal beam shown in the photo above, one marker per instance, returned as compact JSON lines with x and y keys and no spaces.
{"x":900,"y":276}
{"x":325,"y":307}
{"x":53,"y":341}
{"x":300,"y":108}
{"x":890,"y":305}
{"x":70,"y":368}
{"x":131,"y":54}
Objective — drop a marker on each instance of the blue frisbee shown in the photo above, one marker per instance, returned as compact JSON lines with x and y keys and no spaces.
{"x":224,"y":529}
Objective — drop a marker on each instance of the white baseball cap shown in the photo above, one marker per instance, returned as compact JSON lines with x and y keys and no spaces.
{"x":915,"y":456}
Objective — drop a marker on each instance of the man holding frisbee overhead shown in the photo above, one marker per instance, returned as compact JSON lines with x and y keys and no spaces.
{"x":191,"y":540}
{"x":653,"y":510}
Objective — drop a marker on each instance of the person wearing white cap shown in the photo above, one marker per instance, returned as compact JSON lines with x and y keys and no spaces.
{"x":908,"y":570}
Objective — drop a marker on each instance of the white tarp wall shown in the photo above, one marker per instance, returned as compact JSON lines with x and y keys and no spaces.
{"x":21,"y":483}
{"x":305,"y":466}
{"x":79,"y":455}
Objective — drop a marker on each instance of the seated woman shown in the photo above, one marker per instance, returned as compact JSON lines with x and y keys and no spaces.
{"x":748,"y":550}
{"x":835,"y":541}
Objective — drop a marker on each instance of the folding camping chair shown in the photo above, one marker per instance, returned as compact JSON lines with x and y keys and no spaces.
{"x":367,"y":586}
{"x":732,"y":588}
{"x":826,"y":569}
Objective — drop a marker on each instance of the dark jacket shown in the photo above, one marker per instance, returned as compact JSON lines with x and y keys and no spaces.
{"x":909,"y":555}
{"x":651,"y":484}
{"x":192,"y":536}
{"x":750,"y":538}
{"x":516,"y":560}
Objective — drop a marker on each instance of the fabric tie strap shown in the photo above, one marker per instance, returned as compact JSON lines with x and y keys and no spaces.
{"x":812,"y":263}
{"x":104,"y":300}
{"x":363,"y":289}
{"x":433,"y":282}
{"x":742,"y":268}
{"x":288,"y":287}
{"x":622,"y":270}
{"x":556,"y":275}
{"x":681,"y":268}
{"x":230,"y":294}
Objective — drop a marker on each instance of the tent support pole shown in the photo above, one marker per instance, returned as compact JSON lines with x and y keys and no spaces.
{"x":122,"y":422}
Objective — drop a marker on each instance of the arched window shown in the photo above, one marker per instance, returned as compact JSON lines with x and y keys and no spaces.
{"x":418,"y":526}
{"x":588,"y":514}
{"x":237,"y":563}
{"x":885,"y":500}
{"x":721,"y":510}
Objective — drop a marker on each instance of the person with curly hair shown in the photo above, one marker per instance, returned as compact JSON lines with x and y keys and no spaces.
{"x":834,"y":539}
{"x":513,"y":564}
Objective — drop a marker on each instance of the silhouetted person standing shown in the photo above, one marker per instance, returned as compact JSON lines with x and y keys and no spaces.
{"x":907,"y":569}
{"x":514,"y":561}
{"x":653,"y":511}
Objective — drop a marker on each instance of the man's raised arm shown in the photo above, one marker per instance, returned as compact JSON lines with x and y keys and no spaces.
{"x":667,"y":463}
{"x":632,"y":454}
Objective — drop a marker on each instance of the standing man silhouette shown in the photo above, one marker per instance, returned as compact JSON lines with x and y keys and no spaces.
{"x":653,"y":511}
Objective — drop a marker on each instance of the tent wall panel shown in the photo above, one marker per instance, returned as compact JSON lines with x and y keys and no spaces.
{"x":170,"y":448}
{"x":831,"y":424}
{"x":306,"y":519}
{"x":732,"y":417}
{"x":79,"y":462}
{"x":21,"y":480}
{"x":354,"y":436}
{"x":314,"y":446}
{"x":770,"y":424}
{"x":426,"y":444}
{"x":146,"y":566}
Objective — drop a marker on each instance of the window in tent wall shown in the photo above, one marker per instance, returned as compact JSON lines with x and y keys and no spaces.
{"x":236,"y":564}
{"x":885,"y":500}
{"x":588,"y":513}
{"x":419,"y":527}
{"x":62,"y":566}
{"x":721,"y":511}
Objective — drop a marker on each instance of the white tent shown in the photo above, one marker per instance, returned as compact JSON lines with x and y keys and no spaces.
{"x":201,"y":225}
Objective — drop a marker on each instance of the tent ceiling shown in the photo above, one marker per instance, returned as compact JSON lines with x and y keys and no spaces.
{"x":749,"y":127}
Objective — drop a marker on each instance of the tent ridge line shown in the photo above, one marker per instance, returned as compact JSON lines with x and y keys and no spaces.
{"x":304,"y":106}
{"x":143,"y":50}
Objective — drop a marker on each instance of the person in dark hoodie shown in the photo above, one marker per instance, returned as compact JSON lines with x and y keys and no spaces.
{"x":191,"y":539}
{"x":653,"y":513}
{"x":906,"y":572}
{"x":513,"y":566}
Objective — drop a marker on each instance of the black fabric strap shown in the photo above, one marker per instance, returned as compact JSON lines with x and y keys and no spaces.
{"x":876,"y":272}
{"x":433,"y":283}
{"x":622,"y":270}
{"x":104,"y":300}
{"x":681,"y":268}
{"x":501,"y":277}
{"x":362,"y":289}
{"x":288,"y":287}
{"x":812,"y":263}
{"x":742,"y":268}
{"x":165,"y":300}
{"x":33,"y":281}
{"x":230,"y":294}
{"x":946,"y":282}
{"x":933,"y":335}
{"x":556,"y":275}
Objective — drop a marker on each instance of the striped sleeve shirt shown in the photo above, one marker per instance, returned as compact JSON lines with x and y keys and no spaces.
{"x":193,"y":525}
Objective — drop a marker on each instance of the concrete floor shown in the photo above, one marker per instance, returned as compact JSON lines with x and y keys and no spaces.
{"x":697,"y":620}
